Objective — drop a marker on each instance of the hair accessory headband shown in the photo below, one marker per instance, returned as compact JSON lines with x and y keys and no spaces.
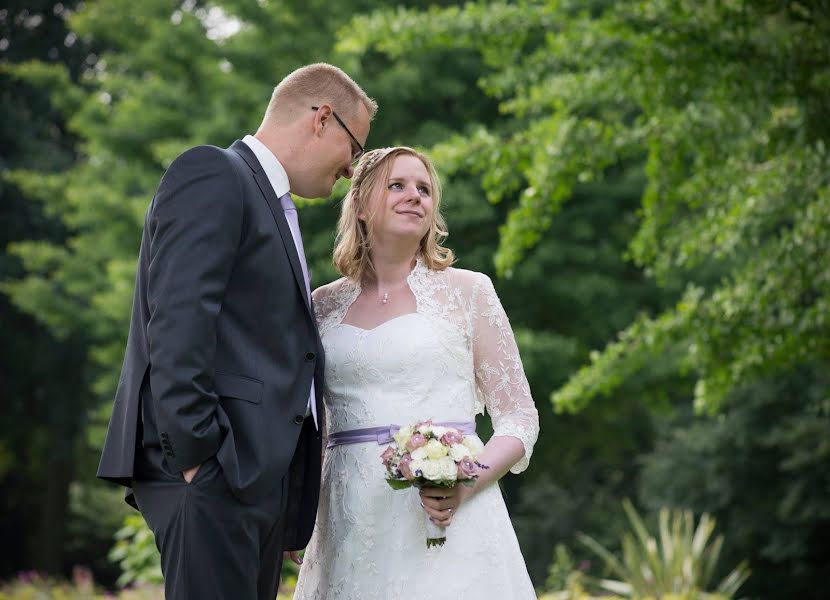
{"x":369,"y":160}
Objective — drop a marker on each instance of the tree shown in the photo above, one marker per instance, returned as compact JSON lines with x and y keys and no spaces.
{"x":761,"y":469}
{"x":723,"y":101}
{"x":43,"y":376}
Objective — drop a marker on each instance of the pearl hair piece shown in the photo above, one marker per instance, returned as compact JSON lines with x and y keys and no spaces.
{"x":372,"y":158}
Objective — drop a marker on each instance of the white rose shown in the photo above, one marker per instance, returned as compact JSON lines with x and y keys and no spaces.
{"x":402,"y":437}
{"x":474,"y":444}
{"x":416,"y":465}
{"x":448,"y":468}
{"x":425,"y":429}
{"x":439,"y":431}
{"x":432,"y":470}
{"x":459,"y":451}
{"x":419,"y":453}
{"x":435,"y":449}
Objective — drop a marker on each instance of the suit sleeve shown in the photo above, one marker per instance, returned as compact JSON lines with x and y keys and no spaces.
{"x":196,"y":225}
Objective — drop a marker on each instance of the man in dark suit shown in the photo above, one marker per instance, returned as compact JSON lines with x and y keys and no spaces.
{"x":216,"y":423}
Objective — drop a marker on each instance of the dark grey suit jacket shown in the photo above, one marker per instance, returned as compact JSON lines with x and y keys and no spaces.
{"x":222,"y":346}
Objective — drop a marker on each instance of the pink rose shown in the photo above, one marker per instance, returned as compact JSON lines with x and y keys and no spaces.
{"x":403,"y":467}
{"x":387,"y":455}
{"x":451,"y":438}
{"x":416,"y":441}
{"x":466,"y":468}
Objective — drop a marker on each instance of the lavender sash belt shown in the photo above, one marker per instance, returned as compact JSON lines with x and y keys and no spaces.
{"x":383,"y":435}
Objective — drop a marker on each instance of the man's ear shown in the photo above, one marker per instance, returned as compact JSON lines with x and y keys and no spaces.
{"x":322,"y":116}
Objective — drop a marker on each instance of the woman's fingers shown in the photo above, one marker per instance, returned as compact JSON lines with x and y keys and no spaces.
{"x":441,"y":517}
{"x":439,"y":502}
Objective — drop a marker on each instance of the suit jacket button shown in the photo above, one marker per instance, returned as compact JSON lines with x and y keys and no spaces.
{"x":309,"y":356}
{"x":298,"y":419}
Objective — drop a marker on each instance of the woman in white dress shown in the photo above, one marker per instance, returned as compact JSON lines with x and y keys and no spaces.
{"x":409,"y":338}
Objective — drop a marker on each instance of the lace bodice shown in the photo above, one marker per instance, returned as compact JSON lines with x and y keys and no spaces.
{"x":453,"y":358}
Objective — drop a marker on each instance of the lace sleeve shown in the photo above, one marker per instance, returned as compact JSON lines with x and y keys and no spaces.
{"x":331,"y":303}
{"x":323,"y":305}
{"x":500,"y":377}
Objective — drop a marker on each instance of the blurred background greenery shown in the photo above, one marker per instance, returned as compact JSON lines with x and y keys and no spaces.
{"x":646,"y":181}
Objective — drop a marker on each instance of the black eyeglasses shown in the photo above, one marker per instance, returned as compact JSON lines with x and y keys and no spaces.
{"x":357,"y":153}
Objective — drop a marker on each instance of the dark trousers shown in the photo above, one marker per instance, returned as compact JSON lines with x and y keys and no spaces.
{"x":212,"y":545}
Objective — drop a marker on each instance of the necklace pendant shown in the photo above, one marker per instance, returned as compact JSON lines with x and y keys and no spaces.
{"x":385,"y":298}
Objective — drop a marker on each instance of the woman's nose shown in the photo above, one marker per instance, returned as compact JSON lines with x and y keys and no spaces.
{"x":412,"y":193}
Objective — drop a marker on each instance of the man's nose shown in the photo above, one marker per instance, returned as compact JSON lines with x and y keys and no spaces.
{"x":348,"y":171}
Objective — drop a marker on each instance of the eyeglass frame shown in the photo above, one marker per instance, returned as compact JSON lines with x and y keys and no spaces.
{"x":355,"y":157}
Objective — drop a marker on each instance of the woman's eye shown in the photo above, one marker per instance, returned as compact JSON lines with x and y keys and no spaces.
{"x":424,"y":190}
{"x":395,"y":186}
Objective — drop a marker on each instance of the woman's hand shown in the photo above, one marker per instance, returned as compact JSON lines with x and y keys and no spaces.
{"x":441,"y":504}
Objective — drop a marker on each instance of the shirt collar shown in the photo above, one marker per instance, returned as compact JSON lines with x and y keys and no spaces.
{"x":273,"y":169}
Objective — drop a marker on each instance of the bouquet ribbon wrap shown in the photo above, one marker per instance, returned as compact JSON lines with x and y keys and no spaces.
{"x":383,"y":435}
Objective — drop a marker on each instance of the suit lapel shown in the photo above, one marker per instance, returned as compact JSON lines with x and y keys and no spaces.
{"x":279,"y":216}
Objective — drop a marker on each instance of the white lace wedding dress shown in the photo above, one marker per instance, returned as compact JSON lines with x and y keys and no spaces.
{"x":448,"y":361}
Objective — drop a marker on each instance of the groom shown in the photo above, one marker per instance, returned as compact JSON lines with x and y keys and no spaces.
{"x":216,"y":421}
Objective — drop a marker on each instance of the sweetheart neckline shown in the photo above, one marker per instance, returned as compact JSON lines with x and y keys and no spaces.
{"x":376,"y":327}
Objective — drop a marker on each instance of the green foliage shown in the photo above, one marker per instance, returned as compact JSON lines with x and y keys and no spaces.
{"x":94,"y":513}
{"x":566,"y":582}
{"x":43,"y":377}
{"x":681,"y":564}
{"x":561,"y":569}
{"x":135,"y":552}
{"x":761,"y":469}
{"x":723,"y":102}
{"x":32,"y":586}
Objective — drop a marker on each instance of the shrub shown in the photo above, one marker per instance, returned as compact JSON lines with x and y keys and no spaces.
{"x":681,"y":566}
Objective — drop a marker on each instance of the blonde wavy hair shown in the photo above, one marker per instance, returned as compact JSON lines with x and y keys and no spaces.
{"x":354,"y":236}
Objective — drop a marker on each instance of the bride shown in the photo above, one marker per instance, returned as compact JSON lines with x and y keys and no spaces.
{"x":409,"y":338}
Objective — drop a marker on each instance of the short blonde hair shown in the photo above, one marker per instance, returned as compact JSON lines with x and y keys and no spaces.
{"x":312,"y":85}
{"x":354,"y":236}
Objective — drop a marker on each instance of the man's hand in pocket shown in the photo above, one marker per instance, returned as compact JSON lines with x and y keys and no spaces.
{"x":189,"y":474}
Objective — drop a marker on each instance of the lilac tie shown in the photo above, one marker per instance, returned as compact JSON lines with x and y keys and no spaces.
{"x":290,"y":211}
{"x":291,"y":216}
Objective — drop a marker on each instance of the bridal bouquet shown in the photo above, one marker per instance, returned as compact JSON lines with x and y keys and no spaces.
{"x":433,"y":456}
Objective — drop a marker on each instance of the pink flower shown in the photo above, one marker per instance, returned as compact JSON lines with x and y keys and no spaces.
{"x":416,"y":441}
{"x":387,"y":455}
{"x":452,"y":437}
{"x":466,"y":468}
{"x":403,"y":467}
